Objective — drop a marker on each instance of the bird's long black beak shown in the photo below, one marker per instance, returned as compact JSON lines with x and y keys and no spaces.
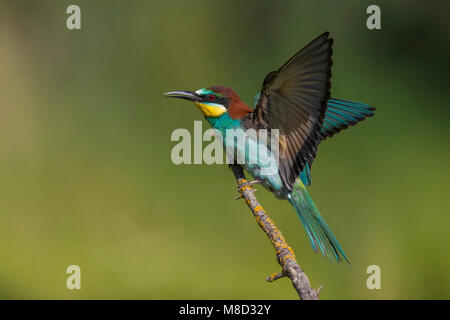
{"x":187,"y":95}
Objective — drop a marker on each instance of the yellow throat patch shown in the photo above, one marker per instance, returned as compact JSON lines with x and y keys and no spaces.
{"x":211,"y":110}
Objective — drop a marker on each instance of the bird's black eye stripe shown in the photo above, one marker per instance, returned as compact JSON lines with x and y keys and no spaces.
{"x":217,"y":99}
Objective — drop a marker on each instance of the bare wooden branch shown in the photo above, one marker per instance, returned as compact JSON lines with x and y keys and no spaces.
{"x":285,"y":255}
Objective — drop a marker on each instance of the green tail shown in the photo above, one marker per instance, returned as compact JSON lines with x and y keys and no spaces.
{"x":318,"y":231}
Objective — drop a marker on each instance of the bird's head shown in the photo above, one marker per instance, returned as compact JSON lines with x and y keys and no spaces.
{"x":214,"y":101}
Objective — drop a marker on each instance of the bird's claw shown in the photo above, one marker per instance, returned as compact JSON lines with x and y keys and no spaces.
{"x":246,"y":184}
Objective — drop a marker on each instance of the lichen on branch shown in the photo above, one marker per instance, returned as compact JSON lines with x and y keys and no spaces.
{"x":284,"y":254}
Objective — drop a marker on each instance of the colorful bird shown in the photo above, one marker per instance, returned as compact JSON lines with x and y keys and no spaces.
{"x":295,"y":99}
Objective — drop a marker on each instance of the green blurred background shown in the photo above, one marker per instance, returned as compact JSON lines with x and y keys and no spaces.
{"x":85,"y":148}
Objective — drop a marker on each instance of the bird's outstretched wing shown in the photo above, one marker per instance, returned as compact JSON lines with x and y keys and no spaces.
{"x":293,"y":100}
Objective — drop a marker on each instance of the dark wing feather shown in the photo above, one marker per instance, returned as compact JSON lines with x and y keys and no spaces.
{"x":293,"y":100}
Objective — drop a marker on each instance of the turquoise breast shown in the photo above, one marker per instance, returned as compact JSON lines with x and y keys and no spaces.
{"x":250,"y":150}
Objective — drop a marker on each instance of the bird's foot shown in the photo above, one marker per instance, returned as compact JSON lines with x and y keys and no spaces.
{"x":247,"y":184}
{"x":250,"y":183}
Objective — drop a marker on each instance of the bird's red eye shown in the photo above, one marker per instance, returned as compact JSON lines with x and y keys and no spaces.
{"x":211,"y":97}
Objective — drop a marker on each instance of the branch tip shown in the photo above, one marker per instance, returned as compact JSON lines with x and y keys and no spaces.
{"x":275,"y":276}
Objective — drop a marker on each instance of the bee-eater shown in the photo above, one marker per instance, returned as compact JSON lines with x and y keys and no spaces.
{"x":295,"y":99}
